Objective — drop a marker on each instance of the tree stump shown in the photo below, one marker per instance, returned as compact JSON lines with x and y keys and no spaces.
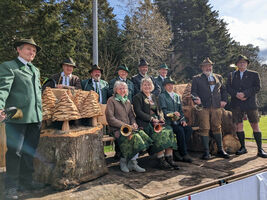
{"x":68,"y":159}
{"x":230,"y":141}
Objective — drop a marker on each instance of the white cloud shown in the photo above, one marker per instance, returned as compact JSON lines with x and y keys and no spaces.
{"x":248,"y":32}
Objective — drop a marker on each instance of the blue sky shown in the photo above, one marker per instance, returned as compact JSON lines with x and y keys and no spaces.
{"x":247,"y":19}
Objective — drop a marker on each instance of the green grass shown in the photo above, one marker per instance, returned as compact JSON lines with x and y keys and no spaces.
{"x":108,"y":148}
{"x":263,"y":128}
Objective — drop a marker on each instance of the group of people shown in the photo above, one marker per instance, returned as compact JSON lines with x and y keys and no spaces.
{"x":144,"y":106}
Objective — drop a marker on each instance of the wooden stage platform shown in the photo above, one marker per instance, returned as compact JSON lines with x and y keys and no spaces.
{"x":158,"y":184}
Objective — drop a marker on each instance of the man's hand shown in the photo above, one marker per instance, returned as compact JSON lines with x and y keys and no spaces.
{"x":183,"y":123}
{"x":2,"y":115}
{"x":240,"y":95}
{"x":177,"y":114}
{"x":223,"y":103}
{"x":197,"y":101}
{"x":59,"y":86}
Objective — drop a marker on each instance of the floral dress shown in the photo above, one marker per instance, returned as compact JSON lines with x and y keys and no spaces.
{"x":162,"y":140}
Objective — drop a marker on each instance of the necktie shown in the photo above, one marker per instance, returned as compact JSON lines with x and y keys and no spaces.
{"x":96,"y":88}
{"x":29,"y":66}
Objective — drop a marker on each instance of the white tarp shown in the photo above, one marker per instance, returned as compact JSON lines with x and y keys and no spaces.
{"x":251,"y":188}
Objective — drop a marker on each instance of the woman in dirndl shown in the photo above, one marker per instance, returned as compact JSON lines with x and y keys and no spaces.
{"x":120,"y":117}
{"x":149,"y":117}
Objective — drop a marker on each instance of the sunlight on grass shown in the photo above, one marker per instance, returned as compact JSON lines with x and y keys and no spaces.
{"x":263,"y":127}
{"x":108,"y":148}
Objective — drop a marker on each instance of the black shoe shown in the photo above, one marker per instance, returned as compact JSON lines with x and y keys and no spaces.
{"x":222,"y":154}
{"x":176,"y":156}
{"x":169,"y":160}
{"x":11,"y":193}
{"x":163,"y":164}
{"x":117,"y":156}
{"x":206,"y":156}
{"x":262,"y":153}
{"x":187,"y":158}
{"x":241,"y":151}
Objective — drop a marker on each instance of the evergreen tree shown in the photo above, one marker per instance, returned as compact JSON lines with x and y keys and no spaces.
{"x":198,"y":33}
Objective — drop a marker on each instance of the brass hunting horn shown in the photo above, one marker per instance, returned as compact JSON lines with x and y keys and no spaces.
{"x":126,"y":130}
{"x":12,"y":113}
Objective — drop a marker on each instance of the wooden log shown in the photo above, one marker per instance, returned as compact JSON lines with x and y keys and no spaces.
{"x":2,"y":145}
{"x":94,"y":121}
{"x":65,"y":126}
{"x":230,"y":141}
{"x":69,"y":159}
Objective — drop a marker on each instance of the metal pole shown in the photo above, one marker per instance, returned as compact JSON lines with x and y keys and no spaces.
{"x":95,"y":33}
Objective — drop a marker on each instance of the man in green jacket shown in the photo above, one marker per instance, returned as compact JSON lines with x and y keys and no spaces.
{"x":171,"y":105}
{"x":96,"y":84}
{"x":123,"y":72}
{"x":20,"y":87}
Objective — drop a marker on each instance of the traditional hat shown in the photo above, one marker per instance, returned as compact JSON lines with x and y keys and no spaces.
{"x":123,"y":67}
{"x":143,"y":62}
{"x":27,"y":41}
{"x":168,"y":80}
{"x":163,"y":66}
{"x":95,"y":67}
{"x":68,"y":61}
{"x":240,"y":57}
{"x":206,"y":61}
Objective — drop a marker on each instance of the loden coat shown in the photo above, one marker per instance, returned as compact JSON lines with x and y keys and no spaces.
{"x":200,"y":88}
{"x":88,"y":85}
{"x":169,"y":105}
{"x":250,"y":85}
{"x":56,"y":79}
{"x":20,"y":87}
{"x":118,"y":114}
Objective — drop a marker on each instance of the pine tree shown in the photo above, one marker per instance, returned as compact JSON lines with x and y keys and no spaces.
{"x":198,"y":33}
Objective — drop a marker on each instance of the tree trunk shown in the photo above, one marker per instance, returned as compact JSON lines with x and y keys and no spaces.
{"x":68,"y":159}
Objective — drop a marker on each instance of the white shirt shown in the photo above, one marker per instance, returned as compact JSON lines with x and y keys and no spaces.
{"x":241,"y":74}
{"x":211,"y":78}
{"x":22,"y":60}
{"x":65,"y":79}
{"x":122,"y":79}
{"x":162,"y":77}
{"x":171,"y":95}
{"x":99,"y":89}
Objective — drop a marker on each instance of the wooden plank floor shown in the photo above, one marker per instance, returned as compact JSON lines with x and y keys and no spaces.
{"x":154,"y":183}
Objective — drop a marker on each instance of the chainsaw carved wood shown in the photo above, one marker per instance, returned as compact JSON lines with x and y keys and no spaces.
{"x":65,"y":110}
{"x":69,"y":159}
{"x":67,"y":104}
{"x":48,"y":101}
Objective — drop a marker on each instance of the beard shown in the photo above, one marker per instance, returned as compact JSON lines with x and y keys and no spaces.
{"x":207,"y":73}
{"x":97,"y":78}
